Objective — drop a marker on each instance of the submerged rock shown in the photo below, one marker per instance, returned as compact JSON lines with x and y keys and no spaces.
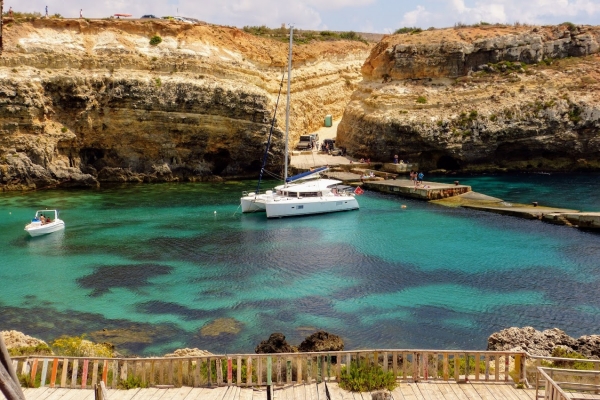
{"x":221,"y":325}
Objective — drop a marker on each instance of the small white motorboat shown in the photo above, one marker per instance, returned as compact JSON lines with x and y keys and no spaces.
{"x":45,"y":221}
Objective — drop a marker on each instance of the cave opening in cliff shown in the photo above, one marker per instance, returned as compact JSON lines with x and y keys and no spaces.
{"x":219,"y":160}
{"x":90,"y":155}
{"x":448,"y":163}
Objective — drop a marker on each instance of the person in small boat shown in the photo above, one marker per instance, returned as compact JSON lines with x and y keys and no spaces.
{"x":42,"y":219}
{"x":48,"y":220}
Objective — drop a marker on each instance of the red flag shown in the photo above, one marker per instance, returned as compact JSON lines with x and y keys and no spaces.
{"x":358,"y":190}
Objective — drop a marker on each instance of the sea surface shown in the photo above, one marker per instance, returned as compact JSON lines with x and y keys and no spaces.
{"x":156,"y":267}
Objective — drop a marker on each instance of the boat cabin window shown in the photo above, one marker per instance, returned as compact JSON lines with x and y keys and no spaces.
{"x":299,"y":194}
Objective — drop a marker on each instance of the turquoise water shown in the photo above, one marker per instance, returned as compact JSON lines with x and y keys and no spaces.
{"x":157,"y":263}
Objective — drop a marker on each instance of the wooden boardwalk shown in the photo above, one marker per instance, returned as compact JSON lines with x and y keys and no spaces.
{"x":405,"y":391}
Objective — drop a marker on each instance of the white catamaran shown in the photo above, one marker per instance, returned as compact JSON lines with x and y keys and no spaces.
{"x":303,"y":194}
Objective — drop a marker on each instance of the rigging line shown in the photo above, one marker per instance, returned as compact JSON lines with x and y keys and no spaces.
{"x":264,"y":161}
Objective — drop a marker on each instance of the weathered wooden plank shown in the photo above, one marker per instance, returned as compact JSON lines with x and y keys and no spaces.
{"x":34,"y":365}
{"x":446,"y":391}
{"x":230,"y":371}
{"x":84,"y":374}
{"x":249,"y":371}
{"x":503,"y":392}
{"x":197,"y":380}
{"x":458,"y":391}
{"x":483,"y":391}
{"x":219,"y":367}
{"x":239,"y":371}
{"x":279,"y":378}
{"x":497,"y":368}
{"x":405,"y":391}
{"x":429,"y":391}
{"x":49,"y":394}
{"x":44,"y":373}
{"x":469,"y":391}
{"x":54,"y":372}
{"x":299,"y":379}
{"x":115,"y":377}
{"x":456,"y":367}
{"x":95,"y":373}
{"x":74,"y":373}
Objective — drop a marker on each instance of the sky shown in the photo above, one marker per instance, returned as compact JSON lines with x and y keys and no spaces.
{"x":376,"y":16}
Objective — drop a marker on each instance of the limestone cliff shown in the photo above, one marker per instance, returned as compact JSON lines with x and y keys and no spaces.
{"x":480,"y":98}
{"x":83,"y":101}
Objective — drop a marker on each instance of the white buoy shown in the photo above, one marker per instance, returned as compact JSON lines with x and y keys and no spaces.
{"x":215,"y":212}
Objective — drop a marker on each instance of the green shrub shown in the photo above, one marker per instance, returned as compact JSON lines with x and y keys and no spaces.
{"x":366,"y":377}
{"x":78,"y":346}
{"x":63,"y":129}
{"x":421,"y":100}
{"x":155,"y":40}
{"x":350,"y":35}
{"x":408,"y":29}
{"x":25,"y":381}
{"x":158,"y":82}
{"x":132,"y":382}
{"x":39,"y":349}
{"x":562,"y":353}
{"x":570,"y":26}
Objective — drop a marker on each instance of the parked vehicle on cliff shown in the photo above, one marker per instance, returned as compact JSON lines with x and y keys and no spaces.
{"x":305,"y":142}
{"x":44,"y":222}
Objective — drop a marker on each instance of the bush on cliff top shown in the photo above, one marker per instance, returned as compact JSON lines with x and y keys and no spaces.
{"x":408,"y":29}
{"x":302,"y":36}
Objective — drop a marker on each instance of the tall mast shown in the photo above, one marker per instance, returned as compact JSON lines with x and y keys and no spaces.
{"x":287,"y":106}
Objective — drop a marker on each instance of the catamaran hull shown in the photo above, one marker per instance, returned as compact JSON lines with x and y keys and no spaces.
{"x":308,"y":206}
{"x":39,"y":230}
{"x":252,"y":204}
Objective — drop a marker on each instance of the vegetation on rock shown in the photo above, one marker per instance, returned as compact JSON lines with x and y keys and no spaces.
{"x":155,"y":40}
{"x":78,"y":346}
{"x":302,"y":36}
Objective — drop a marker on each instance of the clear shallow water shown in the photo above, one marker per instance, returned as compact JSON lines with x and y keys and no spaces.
{"x":156,"y":262}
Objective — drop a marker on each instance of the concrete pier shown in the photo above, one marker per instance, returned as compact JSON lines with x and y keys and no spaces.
{"x":392,"y":180}
{"x":425,"y":191}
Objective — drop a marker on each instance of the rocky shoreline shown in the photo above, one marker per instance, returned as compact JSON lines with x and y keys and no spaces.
{"x":538,"y":343}
{"x":544,"y":343}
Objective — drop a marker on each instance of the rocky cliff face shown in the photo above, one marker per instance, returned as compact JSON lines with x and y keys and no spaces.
{"x":83,"y":102}
{"x":480,"y":98}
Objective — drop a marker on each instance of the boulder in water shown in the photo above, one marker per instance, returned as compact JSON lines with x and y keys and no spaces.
{"x":322,"y":341}
{"x":275,"y":344}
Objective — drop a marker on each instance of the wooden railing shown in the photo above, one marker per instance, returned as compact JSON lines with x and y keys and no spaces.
{"x":567,"y":384}
{"x":252,"y":370}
